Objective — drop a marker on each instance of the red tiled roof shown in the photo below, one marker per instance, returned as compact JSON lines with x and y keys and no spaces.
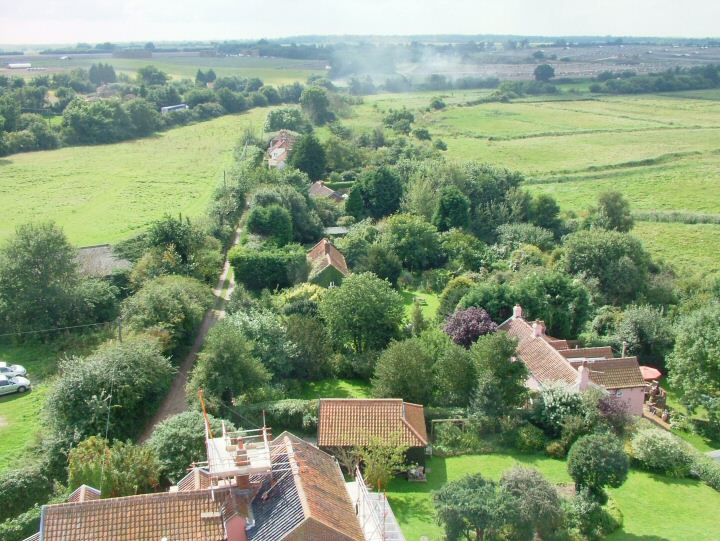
{"x":318,"y":189}
{"x":324,"y":254}
{"x":181,"y":515}
{"x":542,"y":360}
{"x":603,"y":352}
{"x":349,"y":422}
{"x":621,"y":373}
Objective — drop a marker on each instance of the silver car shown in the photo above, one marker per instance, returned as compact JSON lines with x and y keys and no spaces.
{"x":18,"y":384}
{"x":11,"y":370}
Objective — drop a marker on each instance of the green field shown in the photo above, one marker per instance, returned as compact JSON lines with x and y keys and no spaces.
{"x":661,"y":150}
{"x":655,"y":508}
{"x":270,"y":70}
{"x":106,"y":193}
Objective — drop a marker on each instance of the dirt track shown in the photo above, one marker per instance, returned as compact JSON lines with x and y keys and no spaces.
{"x":176,"y":401}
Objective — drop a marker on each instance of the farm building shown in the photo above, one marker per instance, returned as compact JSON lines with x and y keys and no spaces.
{"x":252,"y":488}
{"x":20,"y":66}
{"x":551,"y":360}
{"x":318,"y":189}
{"x":349,"y":422}
{"x":173,"y":108}
{"x":327,"y":264}
{"x":279,"y":149}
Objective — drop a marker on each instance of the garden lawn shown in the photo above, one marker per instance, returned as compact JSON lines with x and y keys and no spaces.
{"x":429,"y":303}
{"x":655,"y":508}
{"x":334,"y":388}
{"x":107,"y":193}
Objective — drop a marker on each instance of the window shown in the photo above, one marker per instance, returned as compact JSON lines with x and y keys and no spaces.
{"x":618,"y":393}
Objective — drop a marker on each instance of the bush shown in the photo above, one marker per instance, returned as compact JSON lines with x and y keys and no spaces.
{"x":22,"y":526}
{"x":555,"y":449}
{"x":269,"y":268}
{"x":21,"y":489}
{"x":529,"y":438}
{"x":588,"y":518}
{"x":273,"y":222}
{"x":556,"y":404}
{"x":290,"y":414}
{"x":660,"y":451}
{"x":180,"y":440}
{"x":451,"y":440}
{"x":597,"y":461}
{"x":708,"y":470}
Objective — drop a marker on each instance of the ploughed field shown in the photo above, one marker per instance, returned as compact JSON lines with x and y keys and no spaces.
{"x":661,"y":150}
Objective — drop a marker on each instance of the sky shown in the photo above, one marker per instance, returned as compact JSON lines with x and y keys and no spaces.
{"x":65,"y":21}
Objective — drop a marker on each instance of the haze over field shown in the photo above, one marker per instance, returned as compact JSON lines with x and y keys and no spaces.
{"x":52,"y":21}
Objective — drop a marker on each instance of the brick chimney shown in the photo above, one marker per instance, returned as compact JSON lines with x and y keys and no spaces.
{"x":538,"y":328}
{"x":583,"y":376}
{"x":517,"y":311}
{"x":233,"y":520}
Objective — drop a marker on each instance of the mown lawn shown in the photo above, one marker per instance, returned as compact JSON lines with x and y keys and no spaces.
{"x":106,"y":193}
{"x":429,"y":303}
{"x":655,"y":508}
{"x":334,"y":388}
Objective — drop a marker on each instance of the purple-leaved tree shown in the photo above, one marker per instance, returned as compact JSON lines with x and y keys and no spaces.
{"x":466,"y":326}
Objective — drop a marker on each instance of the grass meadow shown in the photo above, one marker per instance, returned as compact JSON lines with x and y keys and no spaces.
{"x":106,"y":193}
{"x":655,"y":508}
{"x":661,"y":150}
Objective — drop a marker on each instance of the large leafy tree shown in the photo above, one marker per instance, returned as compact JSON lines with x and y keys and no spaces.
{"x":38,"y":278}
{"x":612,"y":213}
{"x":597,"y":461}
{"x":316,"y":104}
{"x":403,"y":371}
{"x":453,"y":209}
{"x":272,"y":221}
{"x":695,"y":362}
{"x":501,"y":380}
{"x":416,"y":242}
{"x":538,"y":504}
{"x":465,"y":326}
{"x":475,"y":508}
{"x":544,"y":72}
{"x":308,"y":155}
{"x":227,"y":367}
{"x":616,"y":261}
{"x":380,"y":190}
{"x":364,"y":312}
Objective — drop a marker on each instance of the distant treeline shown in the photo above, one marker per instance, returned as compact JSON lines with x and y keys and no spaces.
{"x":628,"y":82}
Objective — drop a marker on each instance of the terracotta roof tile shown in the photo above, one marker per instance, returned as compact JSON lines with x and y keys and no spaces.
{"x":324,"y":254}
{"x":348,"y":422}
{"x":616,"y":373}
{"x":318,"y":189}
{"x":603,"y":352}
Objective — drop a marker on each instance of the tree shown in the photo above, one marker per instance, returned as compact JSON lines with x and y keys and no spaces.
{"x":538,"y":503}
{"x":382,"y":459}
{"x":695,"y":362}
{"x":312,"y":344}
{"x":647,"y":333}
{"x":38,"y":278}
{"x":404,"y":370}
{"x":380,"y":190}
{"x":417,"y":320}
{"x":399,"y":120}
{"x":465,"y":326}
{"x":269,"y":267}
{"x":273,"y":222}
{"x":455,"y":290}
{"x":383,"y":262}
{"x":612,"y":213}
{"x":364,"y":312}
{"x":143,"y":116}
{"x":123,"y":469}
{"x":544,"y":72}
{"x":455,"y":377}
{"x":512,"y":237}
{"x":308,"y":155}
{"x":179,"y":441}
{"x":171,"y":304}
{"x":152,"y":76}
{"x":115,"y":389}
{"x":227,"y":367}
{"x":316,"y":105}
{"x":474,"y":508}
{"x":616,"y":260}
{"x":596,"y":461}
{"x":415,"y":241}
{"x":286,"y":118}
{"x":453,"y":209}
{"x":464,"y":251}
{"x":501,"y":380}
{"x":544,"y":212}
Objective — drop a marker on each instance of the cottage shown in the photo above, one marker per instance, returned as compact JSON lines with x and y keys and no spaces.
{"x":279,"y":149}
{"x":327,"y":264}
{"x":252,"y":488}
{"x":551,"y":360}
{"x":318,"y":189}
{"x":344,"y":423}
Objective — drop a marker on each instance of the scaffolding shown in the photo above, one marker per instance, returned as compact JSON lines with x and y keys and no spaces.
{"x":376,"y":518}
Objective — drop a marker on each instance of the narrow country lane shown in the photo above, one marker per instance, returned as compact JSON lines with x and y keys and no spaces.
{"x":176,"y":401}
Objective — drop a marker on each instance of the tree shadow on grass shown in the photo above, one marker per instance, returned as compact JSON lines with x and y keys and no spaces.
{"x":436,"y":478}
{"x":5,"y":162}
{"x":621,"y":535}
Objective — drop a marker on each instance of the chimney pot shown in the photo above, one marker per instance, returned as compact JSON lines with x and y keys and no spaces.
{"x":517,"y":311}
{"x":538,"y":329}
{"x":583,"y":376}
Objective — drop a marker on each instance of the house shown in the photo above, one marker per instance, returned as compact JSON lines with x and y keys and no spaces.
{"x":252,"y":488}
{"x":550,"y":360}
{"x":173,"y":108}
{"x":318,"y":189}
{"x":99,"y":261}
{"x":350,"y":422}
{"x":327,"y":264}
{"x":279,"y":149}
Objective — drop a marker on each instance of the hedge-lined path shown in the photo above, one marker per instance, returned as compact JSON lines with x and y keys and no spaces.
{"x":176,"y":400}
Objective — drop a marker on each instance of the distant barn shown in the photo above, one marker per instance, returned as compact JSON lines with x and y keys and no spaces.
{"x":172,"y":108}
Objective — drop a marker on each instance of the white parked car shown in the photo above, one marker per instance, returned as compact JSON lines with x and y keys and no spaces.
{"x":18,"y":384}
{"x":11,"y":370}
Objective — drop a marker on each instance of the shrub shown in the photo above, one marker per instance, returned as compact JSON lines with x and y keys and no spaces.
{"x":708,"y":470}
{"x":557,"y":402}
{"x":291,"y":413}
{"x":597,"y":461}
{"x":555,"y":449}
{"x":529,"y":438}
{"x":21,"y":489}
{"x":22,"y":526}
{"x":269,"y":268}
{"x":660,"y":451}
{"x":587,"y":517}
{"x":273,"y":222}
